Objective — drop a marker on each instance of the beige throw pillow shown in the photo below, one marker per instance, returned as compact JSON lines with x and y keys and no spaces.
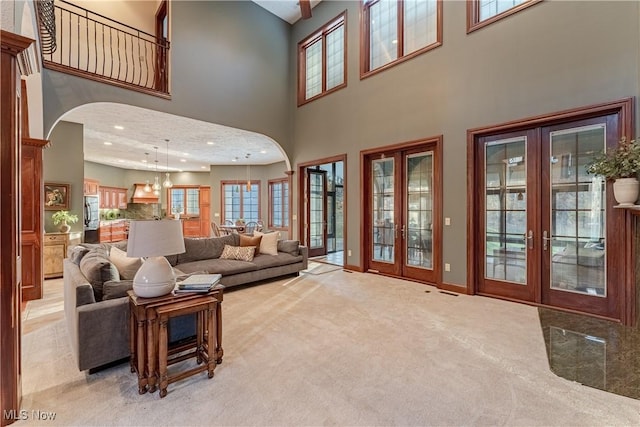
{"x":269,"y":242}
{"x":241,"y":253}
{"x":127,"y":267}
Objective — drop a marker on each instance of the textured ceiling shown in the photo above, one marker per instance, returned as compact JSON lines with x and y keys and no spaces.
{"x":193,"y":145}
{"x":288,"y":10}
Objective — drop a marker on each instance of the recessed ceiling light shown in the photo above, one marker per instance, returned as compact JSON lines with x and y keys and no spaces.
{"x":211,"y":143}
{"x":120,"y":161}
{"x":185,"y":154}
{"x":144,"y":160}
{"x":263,"y":151}
{"x":119,"y":127}
{"x":108,"y":143}
{"x":203,"y":167}
{"x":235,"y":159}
{"x":183,"y":160}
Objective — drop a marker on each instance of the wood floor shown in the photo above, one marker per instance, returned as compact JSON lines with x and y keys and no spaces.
{"x":49,"y":308}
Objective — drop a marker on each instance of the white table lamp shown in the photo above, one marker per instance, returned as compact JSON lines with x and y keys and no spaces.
{"x":153,"y":240}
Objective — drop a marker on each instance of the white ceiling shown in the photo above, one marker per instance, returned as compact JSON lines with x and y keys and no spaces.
{"x":193,"y":145}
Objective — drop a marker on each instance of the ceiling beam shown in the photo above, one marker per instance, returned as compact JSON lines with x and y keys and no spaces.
{"x":305,"y":9}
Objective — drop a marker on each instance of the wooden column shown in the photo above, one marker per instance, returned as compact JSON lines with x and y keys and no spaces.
{"x":10,"y":260}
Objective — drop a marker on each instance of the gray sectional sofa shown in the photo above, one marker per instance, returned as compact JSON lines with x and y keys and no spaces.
{"x":97,"y":308}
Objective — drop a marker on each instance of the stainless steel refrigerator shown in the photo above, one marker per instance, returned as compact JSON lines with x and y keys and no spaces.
{"x":91,"y":219}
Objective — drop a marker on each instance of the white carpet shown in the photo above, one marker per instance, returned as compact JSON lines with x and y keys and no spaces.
{"x":338,"y":349}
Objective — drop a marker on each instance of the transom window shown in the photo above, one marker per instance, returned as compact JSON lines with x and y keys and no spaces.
{"x":241,"y":201}
{"x":321,"y":61}
{"x":394,"y":31}
{"x":279,"y":203}
{"x":484,"y":12}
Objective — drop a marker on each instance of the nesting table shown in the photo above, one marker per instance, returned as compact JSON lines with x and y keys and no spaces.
{"x":151,"y":352}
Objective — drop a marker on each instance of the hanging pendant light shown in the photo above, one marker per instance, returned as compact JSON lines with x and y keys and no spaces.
{"x":248,"y":173}
{"x":147,"y":187}
{"x":167,"y":180}
{"x":156,"y":182}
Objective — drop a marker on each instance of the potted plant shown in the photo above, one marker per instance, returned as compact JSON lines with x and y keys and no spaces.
{"x":621,"y":164}
{"x":62,"y":218}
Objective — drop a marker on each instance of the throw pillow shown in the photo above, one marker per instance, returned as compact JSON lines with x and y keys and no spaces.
{"x":241,"y":253}
{"x":246,"y":240}
{"x":76,"y":254}
{"x":292,"y":247}
{"x":268,"y":243}
{"x":116,"y":289}
{"x":97,"y":268}
{"x":127,"y":267}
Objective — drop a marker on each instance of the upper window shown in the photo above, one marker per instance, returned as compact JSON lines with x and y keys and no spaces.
{"x":321,"y":61}
{"x":184,"y":200}
{"x":394,"y":31}
{"x":484,"y":12}
{"x":241,"y":201}
{"x":279,"y":203}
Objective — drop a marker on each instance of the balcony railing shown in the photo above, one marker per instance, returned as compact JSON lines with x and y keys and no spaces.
{"x":96,"y":47}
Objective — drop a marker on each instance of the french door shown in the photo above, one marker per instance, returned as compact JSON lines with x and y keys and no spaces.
{"x":316,"y":212}
{"x":546,"y":230}
{"x":402,"y":216}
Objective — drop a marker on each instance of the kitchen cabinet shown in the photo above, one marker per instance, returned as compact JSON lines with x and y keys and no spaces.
{"x":191,"y":227}
{"x":113,"y":198}
{"x":55,"y":250}
{"x":91,"y":187}
{"x":112,"y":231}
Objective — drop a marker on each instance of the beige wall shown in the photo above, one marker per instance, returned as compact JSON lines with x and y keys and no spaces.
{"x":553,"y":56}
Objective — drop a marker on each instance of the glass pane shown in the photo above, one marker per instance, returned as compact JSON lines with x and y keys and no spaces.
{"x":505,"y":211}
{"x":177,"y":200}
{"x":420,"y":24}
{"x":335,"y":57}
{"x":193,"y":201}
{"x":250,"y":202}
{"x":316,"y":211}
{"x":577,"y":213}
{"x":419,"y":172}
{"x":313,"y":72}
{"x":383,"y":236}
{"x":489,"y":8}
{"x":383,"y":33}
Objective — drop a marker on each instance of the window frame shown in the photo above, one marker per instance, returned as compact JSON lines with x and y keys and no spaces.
{"x":473,"y":14}
{"x":242,"y":185}
{"x":284,"y":208}
{"x":321,"y":33}
{"x":365,"y":70}
{"x":183,"y":188}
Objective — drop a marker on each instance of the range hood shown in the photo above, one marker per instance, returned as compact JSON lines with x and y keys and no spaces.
{"x":141,"y":196}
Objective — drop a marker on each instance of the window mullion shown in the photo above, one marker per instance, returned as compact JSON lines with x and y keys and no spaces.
{"x":400,"y":19}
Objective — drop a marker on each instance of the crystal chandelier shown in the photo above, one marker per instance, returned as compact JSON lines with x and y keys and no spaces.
{"x":167,"y":180}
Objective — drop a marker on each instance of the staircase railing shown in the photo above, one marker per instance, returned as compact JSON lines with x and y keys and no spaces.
{"x":94,"y":46}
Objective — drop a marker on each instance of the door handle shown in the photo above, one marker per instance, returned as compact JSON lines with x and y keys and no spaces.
{"x":402,"y":231}
{"x":545,"y":240}
{"x":529,"y":239}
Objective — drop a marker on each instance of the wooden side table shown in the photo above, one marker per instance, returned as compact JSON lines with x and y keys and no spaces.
{"x":147,"y":315}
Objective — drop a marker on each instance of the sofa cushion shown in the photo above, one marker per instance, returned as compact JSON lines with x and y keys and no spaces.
{"x":116,"y":289}
{"x":127,"y":266}
{"x":240,"y":253}
{"x":268,"y":243}
{"x":266,"y":261}
{"x":212,"y":247}
{"x":76,"y":253}
{"x":97,"y":268}
{"x":292,"y":247}
{"x":246,"y":241}
{"x":225,"y":267}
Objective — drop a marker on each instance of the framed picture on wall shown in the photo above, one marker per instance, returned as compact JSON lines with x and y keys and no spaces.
{"x":56,"y":196}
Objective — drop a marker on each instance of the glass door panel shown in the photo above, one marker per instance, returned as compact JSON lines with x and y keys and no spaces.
{"x":419,"y":211}
{"x":317,"y":212}
{"x":577,"y":236}
{"x":505,"y":210}
{"x":383,"y":211}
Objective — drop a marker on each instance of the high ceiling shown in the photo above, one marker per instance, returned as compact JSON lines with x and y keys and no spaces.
{"x":193,"y":145}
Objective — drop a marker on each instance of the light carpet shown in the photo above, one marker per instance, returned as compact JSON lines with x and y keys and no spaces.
{"x":338,"y":349}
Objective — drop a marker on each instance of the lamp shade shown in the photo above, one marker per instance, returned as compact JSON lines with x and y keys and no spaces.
{"x":155,"y":238}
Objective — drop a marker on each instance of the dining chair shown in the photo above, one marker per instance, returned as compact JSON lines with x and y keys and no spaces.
{"x":217,"y":232}
{"x":260,"y":226}
{"x":250,"y":227}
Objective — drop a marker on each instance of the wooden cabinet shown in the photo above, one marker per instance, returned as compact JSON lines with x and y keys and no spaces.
{"x":191,"y":227}
{"x":112,"y":231}
{"x":91,"y":187}
{"x":184,"y":198}
{"x":55,"y":250}
{"x":113,"y":198}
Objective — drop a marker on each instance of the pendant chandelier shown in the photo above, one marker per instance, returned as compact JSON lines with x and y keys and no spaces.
{"x":167,"y":180}
{"x":156,"y":182}
{"x":147,"y":187}
{"x":248,"y":172}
